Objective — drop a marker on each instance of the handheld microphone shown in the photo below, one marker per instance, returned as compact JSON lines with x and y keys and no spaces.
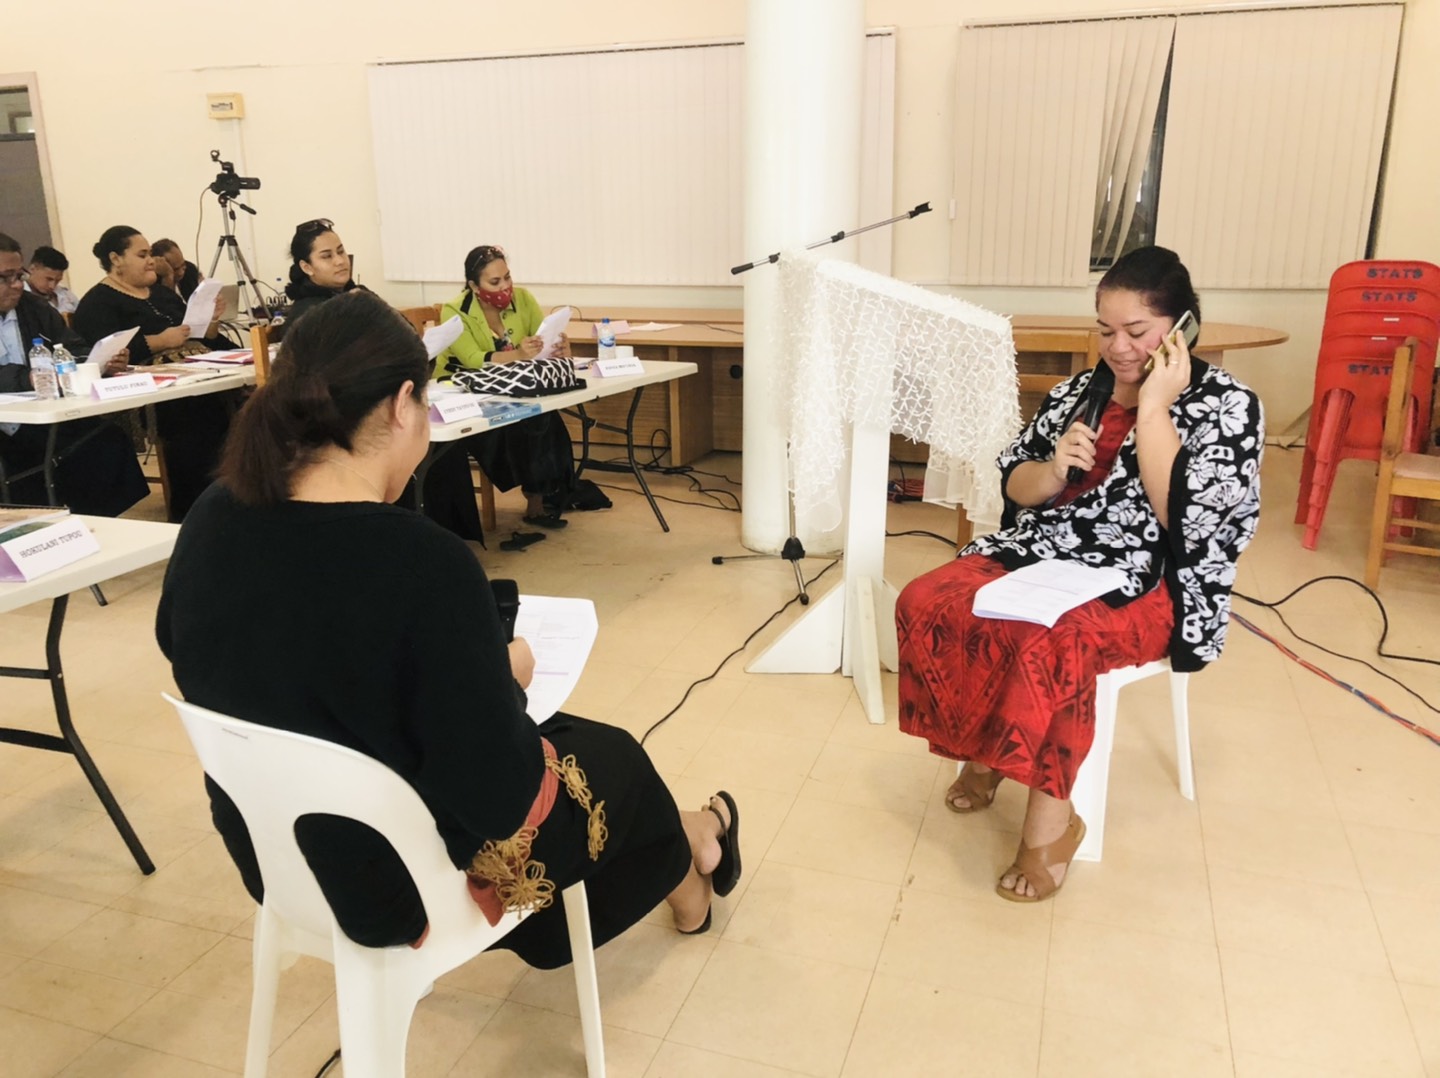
{"x":1097,"y":395}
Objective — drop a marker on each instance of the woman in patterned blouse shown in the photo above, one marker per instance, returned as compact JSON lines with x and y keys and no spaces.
{"x":1170,"y":495}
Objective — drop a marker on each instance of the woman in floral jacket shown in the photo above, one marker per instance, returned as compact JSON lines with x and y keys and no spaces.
{"x":1170,"y":496}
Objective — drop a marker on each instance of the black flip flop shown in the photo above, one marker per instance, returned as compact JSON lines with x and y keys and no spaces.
{"x":520,"y":540}
{"x":727,"y":870}
{"x":553,"y":521}
{"x":704,"y":926}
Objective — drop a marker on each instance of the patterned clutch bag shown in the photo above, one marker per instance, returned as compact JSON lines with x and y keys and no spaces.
{"x":523,"y":378}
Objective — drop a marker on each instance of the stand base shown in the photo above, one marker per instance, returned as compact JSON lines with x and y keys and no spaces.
{"x":825,"y":640}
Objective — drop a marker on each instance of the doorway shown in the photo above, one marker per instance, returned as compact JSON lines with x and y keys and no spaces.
{"x":25,"y":209}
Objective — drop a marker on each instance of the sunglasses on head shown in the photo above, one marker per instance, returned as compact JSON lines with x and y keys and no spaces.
{"x":317,"y":226}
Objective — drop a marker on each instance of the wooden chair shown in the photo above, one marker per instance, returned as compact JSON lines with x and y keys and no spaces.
{"x":1054,"y":349}
{"x":418,"y":316}
{"x":1402,"y":475}
{"x":260,"y":352}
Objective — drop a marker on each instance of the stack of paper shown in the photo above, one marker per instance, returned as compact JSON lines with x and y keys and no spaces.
{"x":560,"y":633}
{"x":1042,"y":592}
{"x":200,"y":311}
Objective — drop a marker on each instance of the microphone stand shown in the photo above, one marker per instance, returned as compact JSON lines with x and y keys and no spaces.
{"x":794,"y":550}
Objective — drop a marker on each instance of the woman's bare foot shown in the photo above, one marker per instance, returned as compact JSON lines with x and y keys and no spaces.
{"x":703,"y":830}
{"x":1046,"y":819}
{"x":690,"y":902}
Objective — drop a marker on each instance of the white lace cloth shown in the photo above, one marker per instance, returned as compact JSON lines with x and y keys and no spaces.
{"x":859,"y":347}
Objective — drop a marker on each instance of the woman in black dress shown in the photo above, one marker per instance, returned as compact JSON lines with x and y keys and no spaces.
{"x":191,"y":429}
{"x":378,"y":630}
{"x":320,"y":270}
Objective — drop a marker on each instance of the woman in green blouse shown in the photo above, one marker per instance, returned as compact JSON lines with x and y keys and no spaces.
{"x":500,"y":325}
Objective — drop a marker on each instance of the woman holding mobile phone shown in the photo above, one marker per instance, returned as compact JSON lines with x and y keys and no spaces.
{"x":1168,"y":492}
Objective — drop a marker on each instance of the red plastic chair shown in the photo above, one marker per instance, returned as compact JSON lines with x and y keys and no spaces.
{"x":1387,"y":274}
{"x":1388,"y":299}
{"x":1373,"y":306}
{"x":1395,"y":325}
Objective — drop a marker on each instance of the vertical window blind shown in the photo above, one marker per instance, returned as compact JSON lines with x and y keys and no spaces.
{"x":1273,"y":137}
{"x":614,"y":167}
{"x":1030,"y":103}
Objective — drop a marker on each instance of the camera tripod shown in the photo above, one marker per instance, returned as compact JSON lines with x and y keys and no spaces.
{"x":245,"y":281}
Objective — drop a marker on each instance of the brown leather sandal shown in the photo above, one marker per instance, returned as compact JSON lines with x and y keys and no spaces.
{"x":1034,"y":865}
{"x":977,"y":787}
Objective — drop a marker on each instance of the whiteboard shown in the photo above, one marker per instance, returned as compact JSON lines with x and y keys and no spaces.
{"x":621,"y":167}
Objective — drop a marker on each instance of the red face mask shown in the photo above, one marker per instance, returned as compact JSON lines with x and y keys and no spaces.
{"x":499,"y":300}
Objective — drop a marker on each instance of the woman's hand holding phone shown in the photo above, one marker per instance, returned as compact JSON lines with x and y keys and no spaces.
{"x":1169,"y":370}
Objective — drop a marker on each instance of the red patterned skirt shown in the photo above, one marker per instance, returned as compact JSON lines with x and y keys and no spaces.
{"x":1012,"y":695}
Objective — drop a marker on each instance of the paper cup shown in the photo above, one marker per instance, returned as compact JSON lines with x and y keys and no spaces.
{"x":84,"y":378}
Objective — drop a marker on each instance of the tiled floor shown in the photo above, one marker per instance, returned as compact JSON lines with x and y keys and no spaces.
{"x":1286,"y":923}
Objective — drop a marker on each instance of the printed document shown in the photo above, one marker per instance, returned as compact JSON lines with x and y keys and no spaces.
{"x":1042,"y":592}
{"x":551,"y":330}
{"x":105,"y":348}
{"x":561,"y":633}
{"x":438,"y":338}
{"x":200,"y":311}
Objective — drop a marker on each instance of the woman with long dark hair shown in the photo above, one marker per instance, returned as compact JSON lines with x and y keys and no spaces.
{"x":377,"y":629}
{"x":1169,"y":494}
{"x":320,"y":267}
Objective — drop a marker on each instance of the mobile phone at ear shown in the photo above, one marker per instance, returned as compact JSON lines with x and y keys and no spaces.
{"x":1187,"y":328}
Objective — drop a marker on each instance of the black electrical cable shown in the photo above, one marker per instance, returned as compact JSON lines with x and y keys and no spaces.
{"x":328,"y":1065}
{"x":199,"y":224}
{"x":918,"y":531}
{"x":663,"y":498}
{"x":663,"y":719}
{"x":1379,"y":647}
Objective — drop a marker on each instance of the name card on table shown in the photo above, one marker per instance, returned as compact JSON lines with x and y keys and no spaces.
{"x":452,"y":407}
{"x":611,"y":368}
{"x":46,"y":549}
{"x":126,"y":385}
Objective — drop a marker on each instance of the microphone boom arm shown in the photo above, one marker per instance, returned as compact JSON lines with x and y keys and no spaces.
{"x":923,"y":207}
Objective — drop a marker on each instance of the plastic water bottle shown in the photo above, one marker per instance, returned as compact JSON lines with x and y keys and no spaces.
{"x":606,"y":348}
{"x":42,"y":371}
{"x":65,"y":370}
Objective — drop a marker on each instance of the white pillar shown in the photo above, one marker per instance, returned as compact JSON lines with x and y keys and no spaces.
{"x":804,"y":74}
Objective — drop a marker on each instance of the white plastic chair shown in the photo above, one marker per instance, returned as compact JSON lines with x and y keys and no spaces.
{"x":274,"y":777}
{"x":1092,"y":784}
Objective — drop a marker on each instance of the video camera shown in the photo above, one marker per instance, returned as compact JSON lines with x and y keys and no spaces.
{"x":227,"y":184}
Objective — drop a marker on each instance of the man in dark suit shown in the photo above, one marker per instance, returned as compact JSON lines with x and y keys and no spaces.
{"x":96,"y":470}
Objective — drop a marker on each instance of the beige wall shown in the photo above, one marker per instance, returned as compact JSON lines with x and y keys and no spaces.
{"x":122,"y":96}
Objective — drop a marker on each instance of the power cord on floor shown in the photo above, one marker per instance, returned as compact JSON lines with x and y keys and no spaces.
{"x":745,"y":644}
{"x":918,"y":531}
{"x":329,"y":1065}
{"x":715,"y":494}
{"x":1326,"y":675}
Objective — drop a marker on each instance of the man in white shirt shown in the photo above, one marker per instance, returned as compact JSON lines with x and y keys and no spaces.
{"x":47,"y":269}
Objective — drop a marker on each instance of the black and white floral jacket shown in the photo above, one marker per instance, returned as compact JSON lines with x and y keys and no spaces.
{"x":1214,"y":508}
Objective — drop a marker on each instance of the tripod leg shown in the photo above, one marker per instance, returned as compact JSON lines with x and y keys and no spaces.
{"x":800,"y":583}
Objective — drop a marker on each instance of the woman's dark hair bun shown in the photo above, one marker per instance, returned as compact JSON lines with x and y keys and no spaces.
{"x":336,"y":364}
{"x":1158,"y":276}
{"x":113,"y":241}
